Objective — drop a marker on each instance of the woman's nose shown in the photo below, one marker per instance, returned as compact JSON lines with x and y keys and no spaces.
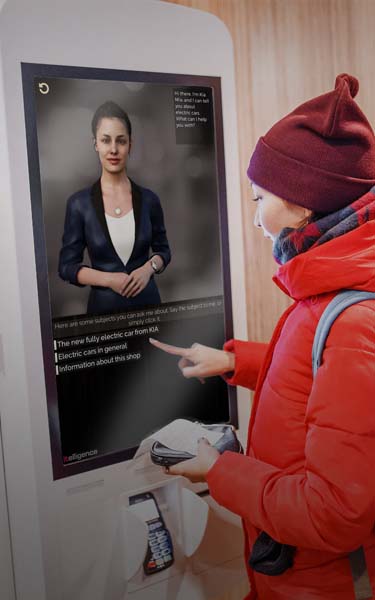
{"x":114,"y":148}
{"x":256,"y":218}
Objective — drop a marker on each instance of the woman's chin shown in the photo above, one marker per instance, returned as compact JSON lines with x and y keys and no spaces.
{"x":114,"y":169}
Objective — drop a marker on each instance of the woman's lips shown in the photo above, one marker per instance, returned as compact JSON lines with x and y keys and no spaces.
{"x":114,"y":161}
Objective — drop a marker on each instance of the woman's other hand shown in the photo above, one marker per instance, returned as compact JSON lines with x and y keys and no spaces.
{"x":118,"y":282}
{"x":198,"y":360}
{"x":196,"y":468}
{"x":138,"y":279}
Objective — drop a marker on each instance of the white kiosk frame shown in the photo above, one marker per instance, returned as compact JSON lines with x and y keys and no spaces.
{"x":56,"y":527}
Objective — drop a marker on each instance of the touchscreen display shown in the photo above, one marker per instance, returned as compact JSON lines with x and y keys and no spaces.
{"x":128,"y":197}
{"x":145,"y":510}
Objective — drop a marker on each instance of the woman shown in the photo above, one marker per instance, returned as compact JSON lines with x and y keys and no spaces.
{"x":307,"y":480}
{"x":119,"y":222}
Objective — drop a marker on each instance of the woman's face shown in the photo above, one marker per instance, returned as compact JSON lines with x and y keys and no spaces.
{"x":112,"y":144}
{"x":274,"y":213}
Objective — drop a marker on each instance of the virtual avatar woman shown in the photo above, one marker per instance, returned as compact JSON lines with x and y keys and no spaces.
{"x":307,"y":480}
{"x":120,"y":223}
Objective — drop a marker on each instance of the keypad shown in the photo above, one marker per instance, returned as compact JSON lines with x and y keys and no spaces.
{"x":160,"y":546}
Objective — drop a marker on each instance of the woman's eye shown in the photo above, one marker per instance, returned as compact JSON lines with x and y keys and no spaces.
{"x":256,"y":199}
{"x":122,"y":142}
{"x":105,"y":141}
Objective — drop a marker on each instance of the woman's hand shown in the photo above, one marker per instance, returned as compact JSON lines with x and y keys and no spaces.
{"x":196,"y":468}
{"x":117,"y":281}
{"x":198,"y":360}
{"x":138,"y":279}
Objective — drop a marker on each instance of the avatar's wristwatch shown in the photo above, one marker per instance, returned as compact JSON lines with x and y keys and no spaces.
{"x":154,"y":266}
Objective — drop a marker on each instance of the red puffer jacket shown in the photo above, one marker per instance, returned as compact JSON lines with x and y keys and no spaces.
{"x":308,"y":478}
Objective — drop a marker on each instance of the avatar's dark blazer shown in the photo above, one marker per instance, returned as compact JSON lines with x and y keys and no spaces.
{"x":86,"y":227}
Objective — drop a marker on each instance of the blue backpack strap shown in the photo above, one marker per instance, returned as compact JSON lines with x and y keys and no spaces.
{"x":339,"y":303}
{"x":346,"y":298}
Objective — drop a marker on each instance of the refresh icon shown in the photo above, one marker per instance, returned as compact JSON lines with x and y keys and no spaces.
{"x":43,"y":88}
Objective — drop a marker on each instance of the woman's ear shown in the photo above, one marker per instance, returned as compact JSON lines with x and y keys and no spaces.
{"x":307,"y":217}
{"x":95,"y":146}
{"x":300,"y":215}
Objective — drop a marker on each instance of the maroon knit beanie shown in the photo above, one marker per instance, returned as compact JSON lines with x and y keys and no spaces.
{"x":321,"y":155}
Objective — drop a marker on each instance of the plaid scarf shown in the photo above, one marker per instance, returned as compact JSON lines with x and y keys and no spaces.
{"x":291,"y":242}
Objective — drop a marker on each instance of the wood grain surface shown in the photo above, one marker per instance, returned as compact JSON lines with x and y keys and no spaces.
{"x":287,"y":51}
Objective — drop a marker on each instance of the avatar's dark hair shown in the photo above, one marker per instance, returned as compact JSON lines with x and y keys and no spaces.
{"x":110,"y":110}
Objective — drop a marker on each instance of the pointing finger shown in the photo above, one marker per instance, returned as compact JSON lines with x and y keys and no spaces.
{"x":169,"y":348}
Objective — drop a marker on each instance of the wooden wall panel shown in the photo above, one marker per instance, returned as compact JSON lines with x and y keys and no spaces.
{"x":287,"y":51}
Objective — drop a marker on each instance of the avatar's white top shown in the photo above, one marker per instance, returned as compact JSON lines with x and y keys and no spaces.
{"x":122,"y":232}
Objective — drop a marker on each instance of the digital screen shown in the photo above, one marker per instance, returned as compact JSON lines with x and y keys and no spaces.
{"x":145,"y":510}
{"x":106,"y":202}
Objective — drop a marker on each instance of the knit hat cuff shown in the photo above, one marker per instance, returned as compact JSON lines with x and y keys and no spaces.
{"x":319,"y":190}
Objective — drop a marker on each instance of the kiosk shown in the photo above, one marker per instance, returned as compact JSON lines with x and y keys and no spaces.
{"x":80,"y":389}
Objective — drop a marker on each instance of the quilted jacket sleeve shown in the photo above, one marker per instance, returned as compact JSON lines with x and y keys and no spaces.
{"x":330,"y":504}
{"x":249,"y":357}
